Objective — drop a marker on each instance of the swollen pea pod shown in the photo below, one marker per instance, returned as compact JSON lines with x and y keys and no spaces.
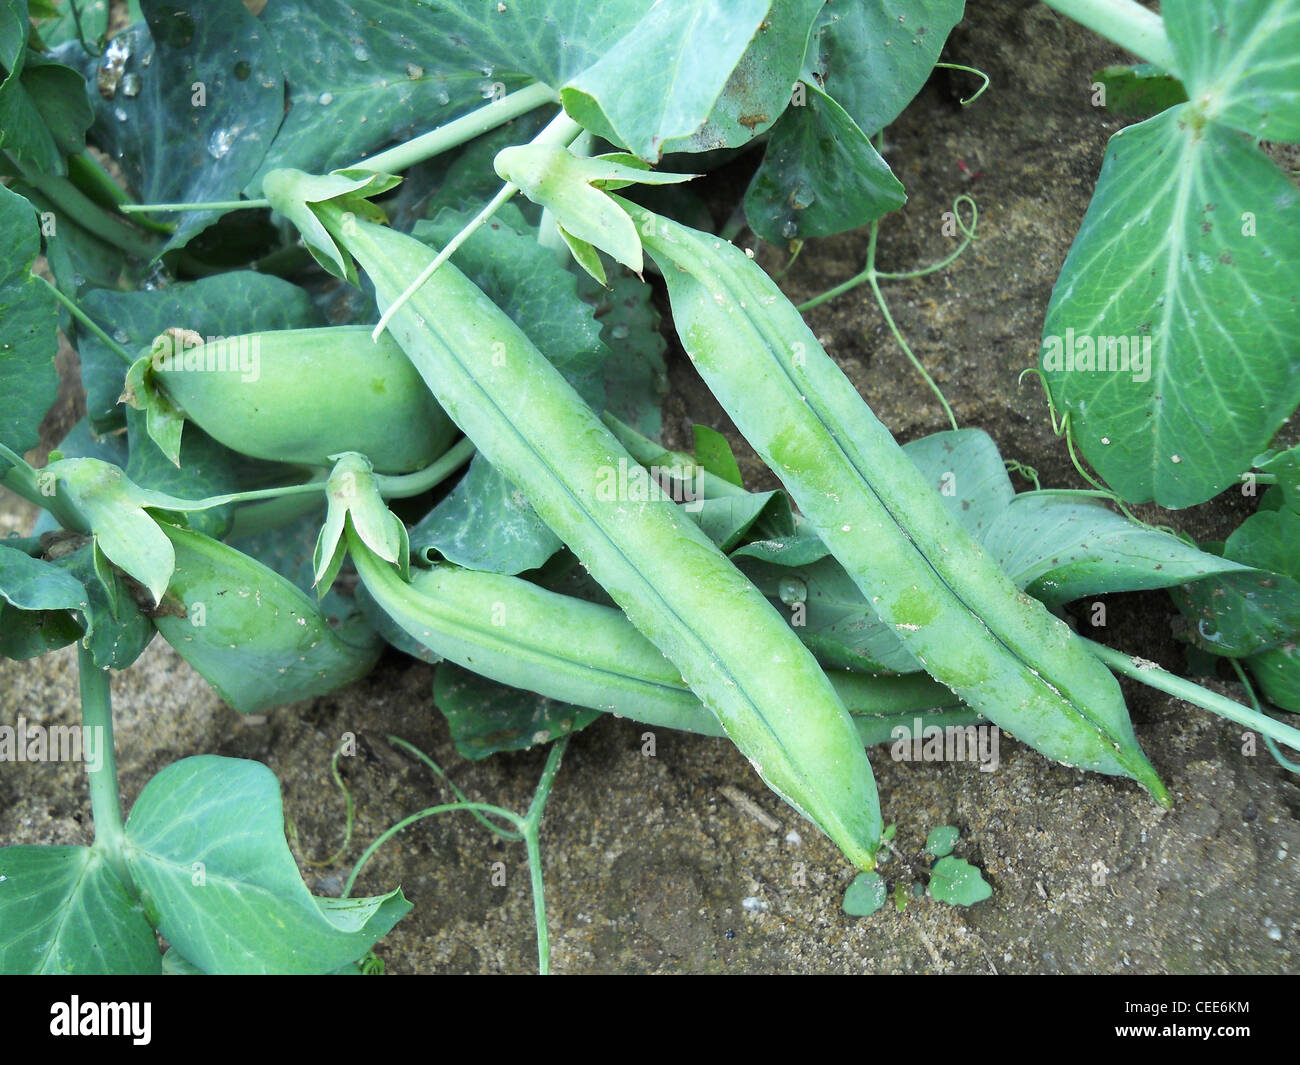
{"x":252,"y":634}
{"x":297,"y":395}
{"x":516,"y":633}
{"x":925,"y":575}
{"x":730,"y":644}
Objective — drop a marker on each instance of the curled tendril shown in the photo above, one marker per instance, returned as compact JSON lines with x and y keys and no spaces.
{"x":969,"y":70}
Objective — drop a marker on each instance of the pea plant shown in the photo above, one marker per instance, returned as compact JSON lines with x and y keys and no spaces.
{"x":362,"y":296}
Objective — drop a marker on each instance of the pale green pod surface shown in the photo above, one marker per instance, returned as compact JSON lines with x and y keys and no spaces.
{"x":301,"y":395}
{"x":730,"y":644}
{"x":953,"y":607}
{"x":516,"y":633}
{"x":253,"y":635}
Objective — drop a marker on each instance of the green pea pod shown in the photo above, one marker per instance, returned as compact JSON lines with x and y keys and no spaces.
{"x":730,"y":644}
{"x":516,"y":633}
{"x":300,"y":395}
{"x":253,"y":635}
{"x":951,"y":605}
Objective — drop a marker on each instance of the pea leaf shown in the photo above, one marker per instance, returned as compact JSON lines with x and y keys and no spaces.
{"x":200,"y":97}
{"x":1256,"y":610}
{"x":865,"y":895}
{"x":63,"y":910}
{"x":714,"y":454}
{"x":29,"y":322}
{"x":1059,"y":549}
{"x":1139,"y":91}
{"x":874,"y":56}
{"x":1195,"y":288}
{"x":680,"y":56}
{"x":759,"y":87}
{"x":941,"y":840}
{"x":636,"y":377}
{"x":252,"y":634}
{"x":43,"y":110}
{"x":37,"y":596}
{"x":485,"y":523}
{"x":956,"y":881}
{"x":1240,"y":60}
{"x":362,"y":73}
{"x":486,"y":717}
{"x":821,"y":175}
{"x":205,"y":845}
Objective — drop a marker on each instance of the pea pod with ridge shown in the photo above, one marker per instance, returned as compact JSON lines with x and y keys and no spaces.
{"x":926,"y":576}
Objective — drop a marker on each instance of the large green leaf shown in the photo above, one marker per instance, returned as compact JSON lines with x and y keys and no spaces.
{"x":37,"y":596}
{"x":205,"y":845}
{"x":365,"y":72}
{"x":1240,"y":61}
{"x":486,"y":717}
{"x":485,"y":523}
{"x":29,"y":324}
{"x":253,"y":635}
{"x":1186,"y":255}
{"x":758,"y":89}
{"x":1245,"y":613}
{"x":1061,"y":549}
{"x":821,"y":175}
{"x":549,"y":40}
{"x":229,"y":304}
{"x":661,"y":81}
{"x":63,"y":910}
{"x":873,"y":56}
{"x":43,"y":110}
{"x":200,"y":99}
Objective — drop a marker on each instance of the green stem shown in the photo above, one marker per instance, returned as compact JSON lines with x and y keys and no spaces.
{"x":396,"y":159}
{"x":97,"y":719}
{"x":86,"y":174}
{"x":1127,"y":23}
{"x":70,"y":200}
{"x":205,"y":205}
{"x":406,"y":822}
{"x":85,"y":320}
{"x":403,"y":486}
{"x":902,"y":342}
{"x":504,"y":833}
{"x":560,"y":130}
{"x":449,"y":249}
{"x":532,"y":830}
{"x":1162,"y":680}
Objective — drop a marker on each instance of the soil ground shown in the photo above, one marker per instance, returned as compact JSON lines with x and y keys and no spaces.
{"x":650,"y":866}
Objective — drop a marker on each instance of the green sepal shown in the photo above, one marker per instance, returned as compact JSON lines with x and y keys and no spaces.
{"x":295,"y":195}
{"x":354,"y":501}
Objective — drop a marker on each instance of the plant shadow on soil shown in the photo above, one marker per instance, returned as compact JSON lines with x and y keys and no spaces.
{"x":648,"y":864}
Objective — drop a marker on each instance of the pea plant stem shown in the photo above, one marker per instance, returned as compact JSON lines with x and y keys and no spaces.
{"x":69,"y":200}
{"x":560,"y":130}
{"x":527,"y":828}
{"x":1127,"y":23}
{"x":1162,"y":680}
{"x":84,"y":319}
{"x":97,"y":718}
{"x":456,"y":132}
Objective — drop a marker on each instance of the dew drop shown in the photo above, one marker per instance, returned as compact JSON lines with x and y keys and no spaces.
{"x":325,"y":99}
{"x":789,"y":229}
{"x":220,"y":142}
{"x":361,"y":54}
{"x":414,"y":71}
{"x":792,"y":590}
{"x":119,"y":114}
{"x":131,"y":84}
